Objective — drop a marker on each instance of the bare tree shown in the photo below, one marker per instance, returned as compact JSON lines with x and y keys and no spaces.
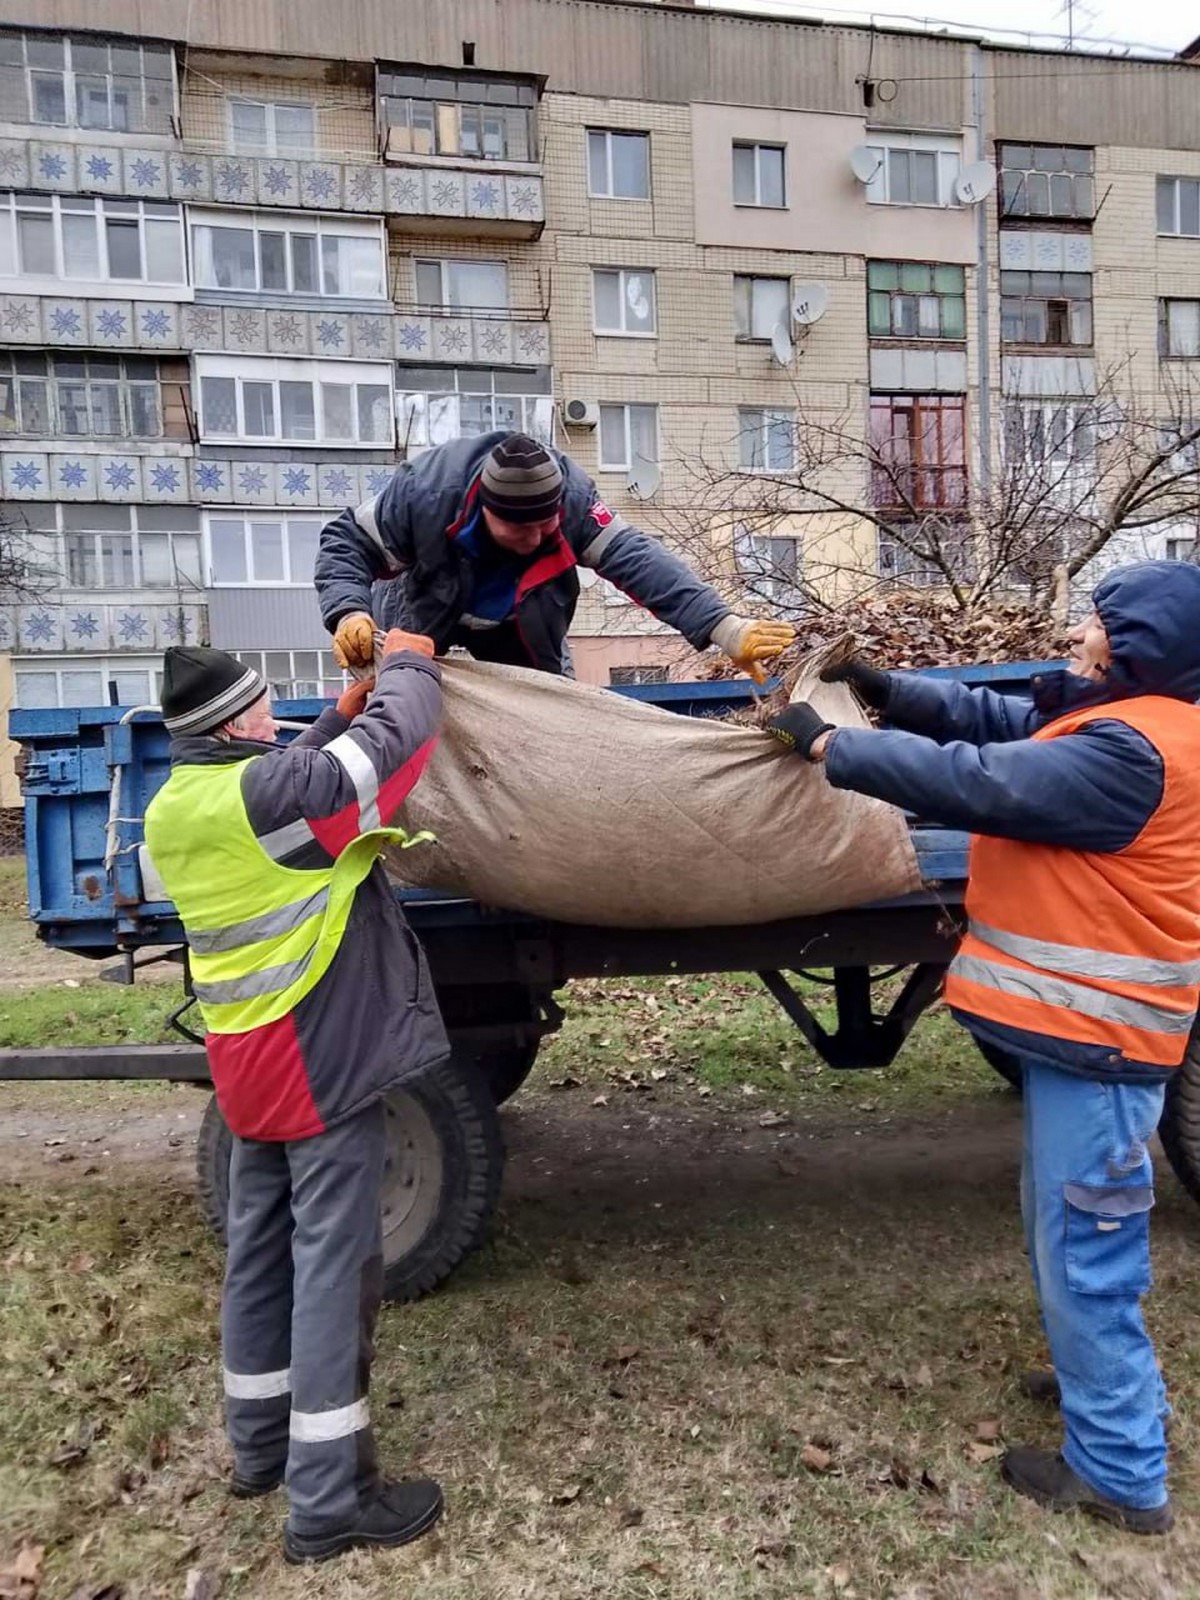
{"x":22,"y":576}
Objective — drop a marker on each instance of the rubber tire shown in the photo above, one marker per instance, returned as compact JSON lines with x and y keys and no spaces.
{"x":504,"y":1068}
{"x":1179,"y":1128}
{"x":445,"y":1167}
{"x":1002,"y":1061}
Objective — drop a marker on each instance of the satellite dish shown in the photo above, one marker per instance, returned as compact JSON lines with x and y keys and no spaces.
{"x":810,"y":304}
{"x":642,"y":483}
{"x":975,"y":183}
{"x":865,"y":162}
{"x":781,"y":345}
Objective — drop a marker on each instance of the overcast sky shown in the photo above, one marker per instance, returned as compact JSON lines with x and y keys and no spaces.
{"x":1165,"y":24}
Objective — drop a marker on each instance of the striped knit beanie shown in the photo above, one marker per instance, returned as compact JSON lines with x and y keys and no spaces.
{"x":521,"y":480}
{"x":203,"y":689}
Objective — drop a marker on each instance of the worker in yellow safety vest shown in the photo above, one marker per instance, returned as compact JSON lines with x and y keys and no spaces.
{"x":317,"y":1001}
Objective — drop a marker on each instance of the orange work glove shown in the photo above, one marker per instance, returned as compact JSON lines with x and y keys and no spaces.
{"x":354,"y":641}
{"x":398,"y":640}
{"x":748,"y":643}
{"x":352,"y":701}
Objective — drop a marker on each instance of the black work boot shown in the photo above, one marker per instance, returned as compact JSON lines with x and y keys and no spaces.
{"x":252,"y":1486}
{"x":1044,"y":1476}
{"x":1041,"y":1384}
{"x":399,"y":1513}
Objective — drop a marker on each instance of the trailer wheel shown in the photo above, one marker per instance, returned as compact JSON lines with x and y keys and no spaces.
{"x":444,"y":1166}
{"x":1005,"y":1062}
{"x":1179,"y":1129}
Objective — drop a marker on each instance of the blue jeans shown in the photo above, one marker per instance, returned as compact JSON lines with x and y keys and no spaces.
{"x":1087,"y":1186}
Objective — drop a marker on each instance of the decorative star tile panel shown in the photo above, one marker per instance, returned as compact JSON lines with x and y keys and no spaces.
{"x":446,"y":194}
{"x":362,"y":188}
{"x":451,"y":339}
{"x":321,"y":185}
{"x":253,"y":482}
{"x":119,"y":477}
{"x":86,"y":627}
{"x":296,"y":484}
{"x":25,"y":475}
{"x":178,"y":625}
{"x":156,"y":324}
{"x":52,"y":166}
{"x":99,"y":170}
{"x":414,"y":338}
{"x":110,"y":322}
{"x":202,"y":328}
{"x":245,"y":329}
{"x":20,"y":322}
{"x":525,"y":200}
{"x":372,"y":337}
{"x":166,"y":481}
{"x":485,"y":196}
{"x":14,"y":163}
{"x":191,"y":177}
{"x":338,"y":484}
{"x":233,"y":180}
{"x":375,"y":480}
{"x":278,"y":182}
{"x":146,"y":173}
{"x":212,"y":481}
{"x":532,"y":342}
{"x":64,"y":321}
{"x":73,"y":477}
{"x":331,"y":334}
{"x":493,"y":342}
{"x":288,"y":332}
{"x":40,"y":627}
{"x":406,"y":192}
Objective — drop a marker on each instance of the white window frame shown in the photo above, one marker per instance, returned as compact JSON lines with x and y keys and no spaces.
{"x":630,"y":457}
{"x":1175,"y":232}
{"x":107,"y":666}
{"x":100,"y":281}
{"x":754,"y":279}
{"x":285,"y":519}
{"x":332,"y":679}
{"x":757,"y":567}
{"x":758,"y":146}
{"x":608,"y":135}
{"x":947,"y":150}
{"x":51,"y":524}
{"x":622,"y":274}
{"x":290,"y":225}
{"x":72,"y":77}
{"x":270,"y":145}
{"x":1072,"y":469}
{"x":1166,"y":305}
{"x":50,"y":378}
{"x":275,"y":370}
{"x":445,"y":306}
{"x":428,"y":416}
{"x":768,"y":418}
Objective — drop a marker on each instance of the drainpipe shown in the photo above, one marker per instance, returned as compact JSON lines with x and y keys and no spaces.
{"x":983,"y":315}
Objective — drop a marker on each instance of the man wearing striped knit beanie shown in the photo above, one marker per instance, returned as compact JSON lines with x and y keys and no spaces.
{"x":477,"y":543}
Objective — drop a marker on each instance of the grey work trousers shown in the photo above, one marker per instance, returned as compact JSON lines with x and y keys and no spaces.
{"x":303,"y":1282}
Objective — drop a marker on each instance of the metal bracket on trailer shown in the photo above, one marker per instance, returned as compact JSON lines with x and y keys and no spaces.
{"x":862,"y":1039}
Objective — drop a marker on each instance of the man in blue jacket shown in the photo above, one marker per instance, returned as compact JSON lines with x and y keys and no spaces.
{"x":481,"y":538}
{"x":1081,"y":957}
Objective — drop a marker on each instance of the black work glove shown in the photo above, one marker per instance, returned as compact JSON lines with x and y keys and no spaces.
{"x":799,"y":727}
{"x":869,"y":683}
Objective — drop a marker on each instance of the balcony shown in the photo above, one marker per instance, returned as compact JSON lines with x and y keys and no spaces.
{"x":461,"y":149}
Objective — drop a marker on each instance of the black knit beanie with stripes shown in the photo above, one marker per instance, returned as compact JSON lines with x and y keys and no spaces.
{"x":521,"y":481}
{"x":203,"y":689}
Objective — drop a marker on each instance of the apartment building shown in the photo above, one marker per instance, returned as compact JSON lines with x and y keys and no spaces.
{"x":252,"y":257}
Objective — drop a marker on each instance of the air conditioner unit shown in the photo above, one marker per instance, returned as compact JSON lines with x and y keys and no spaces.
{"x":581,"y":413}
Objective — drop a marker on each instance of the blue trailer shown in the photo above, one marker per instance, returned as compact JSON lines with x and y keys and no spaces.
{"x":87,"y":778}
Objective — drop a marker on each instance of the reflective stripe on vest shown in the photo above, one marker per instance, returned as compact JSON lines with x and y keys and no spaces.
{"x":1131,"y":990}
{"x":265,"y":934}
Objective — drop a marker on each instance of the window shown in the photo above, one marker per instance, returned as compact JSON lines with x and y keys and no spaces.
{"x":296,"y":674}
{"x":623,"y":302}
{"x":629,"y":677}
{"x":913,"y":170}
{"x":262,"y":253}
{"x":1046,"y":180}
{"x":269,"y":547}
{"x":758,"y":175}
{"x":1052,"y":308}
{"x":628,"y":437}
{"x":342,"y":403}
{"x":480,"y":116}
{"x":1052,"y":440}
{"x":769,"y":566}
{"x":911,"y":300}
{"x":117,"y":85}
{"x":93,"y":547}
{"x":919,"y":451}
{"x":69,"y":237}
{"x":458,"y":286}
{"x":1179,"y":328}
{"x":80,"y":397}
{"x":271,"y":128}
{"x":902,"y":556}
{"x":766,"y":439}
{"x":618,"y":165}
{"x":85,"y":681}
{"x":436,"y":404}
{"x":1181,"y":549}
{"x":1178,"y":203}
{"x":760,"y":305}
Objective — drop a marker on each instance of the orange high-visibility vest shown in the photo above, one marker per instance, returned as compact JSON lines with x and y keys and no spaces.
{"x":1100,"y":950}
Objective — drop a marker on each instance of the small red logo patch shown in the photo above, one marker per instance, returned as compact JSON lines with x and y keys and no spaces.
{"x":601,"y":515}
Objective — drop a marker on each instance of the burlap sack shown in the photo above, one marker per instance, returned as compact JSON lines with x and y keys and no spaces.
{"x":573,"y":803}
